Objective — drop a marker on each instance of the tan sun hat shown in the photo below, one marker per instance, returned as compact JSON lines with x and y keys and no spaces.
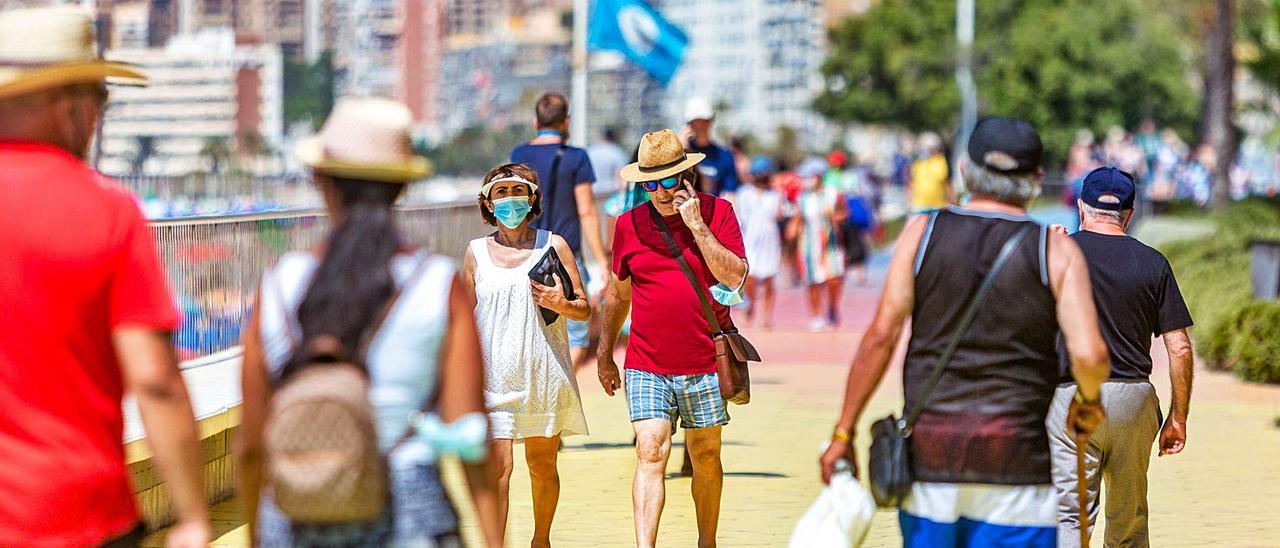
{"x":661,"y":156}
{"x":45,"y":48}
{"x":365,"y":139}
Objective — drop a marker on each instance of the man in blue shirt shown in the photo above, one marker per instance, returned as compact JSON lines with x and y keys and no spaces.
{"x":719,"y":173}
{"x":565,"y":176}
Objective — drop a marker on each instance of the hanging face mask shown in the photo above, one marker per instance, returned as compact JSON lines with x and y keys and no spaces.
{"x":511,"y":211}
{"x":725,"y":296}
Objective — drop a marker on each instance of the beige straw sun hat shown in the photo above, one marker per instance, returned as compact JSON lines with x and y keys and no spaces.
{"x":46,"y":48}
{"x":661,"y":155}
{"x":365,"y":139}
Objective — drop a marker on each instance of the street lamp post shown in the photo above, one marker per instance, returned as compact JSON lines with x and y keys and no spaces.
{"x":964,"y":79}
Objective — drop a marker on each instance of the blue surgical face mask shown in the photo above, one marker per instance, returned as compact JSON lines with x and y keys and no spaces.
{"x":511,"y":211}
{"x":725,"y":296}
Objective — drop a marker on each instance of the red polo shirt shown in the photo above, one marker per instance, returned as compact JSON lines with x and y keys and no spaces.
{"x":669,"y":333}
{"x":76,"y":261}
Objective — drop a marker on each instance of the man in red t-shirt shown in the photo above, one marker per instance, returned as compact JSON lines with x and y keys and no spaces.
{"x":670,"y":367}
{"x":87,"y":312}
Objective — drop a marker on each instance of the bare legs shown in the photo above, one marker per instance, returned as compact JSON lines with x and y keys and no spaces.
{"x":648,"y":492}
{"x":708,"y":480}
{"x":820,"y":319}
{"x":765,"y":289}
{"x":541,"y":455}
{"x":835,"y":289}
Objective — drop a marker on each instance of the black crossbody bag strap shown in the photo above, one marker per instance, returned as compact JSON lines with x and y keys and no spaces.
{"x":908,"y":422}
{"x":688,"y":270}
{"x":554,"y":182}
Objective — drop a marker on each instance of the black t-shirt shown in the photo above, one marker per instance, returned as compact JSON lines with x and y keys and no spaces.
{"x":1137,"y":298}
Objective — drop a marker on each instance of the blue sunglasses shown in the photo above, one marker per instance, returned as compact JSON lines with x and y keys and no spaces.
{"x":668,"y":183}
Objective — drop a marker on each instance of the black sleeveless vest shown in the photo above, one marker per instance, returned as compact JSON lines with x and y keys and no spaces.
{"x":984,"y":422}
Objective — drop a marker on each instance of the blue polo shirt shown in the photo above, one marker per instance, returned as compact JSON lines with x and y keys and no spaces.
{"x":559,"y":203}
{"x":718,"y":169}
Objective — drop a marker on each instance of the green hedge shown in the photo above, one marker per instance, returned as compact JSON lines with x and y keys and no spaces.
{"x":1233,"y":332}
{"x":1251,"y":340}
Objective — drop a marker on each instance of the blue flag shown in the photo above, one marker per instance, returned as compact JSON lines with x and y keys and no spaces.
{"x":635,"y":29}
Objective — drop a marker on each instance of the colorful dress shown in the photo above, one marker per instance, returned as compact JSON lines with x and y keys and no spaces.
{"x":530,"y":389}
{"x":821,"y":256}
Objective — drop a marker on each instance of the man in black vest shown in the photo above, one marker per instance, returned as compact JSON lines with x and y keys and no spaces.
{"x":1137,"y":298}
{"x":979,"y":451}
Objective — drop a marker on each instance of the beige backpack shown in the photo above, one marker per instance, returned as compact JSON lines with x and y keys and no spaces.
{"x":323,"y":462}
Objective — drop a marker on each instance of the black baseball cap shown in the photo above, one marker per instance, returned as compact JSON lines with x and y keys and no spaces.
{"x":1006,"y":145}
{"x":1108,"y":181}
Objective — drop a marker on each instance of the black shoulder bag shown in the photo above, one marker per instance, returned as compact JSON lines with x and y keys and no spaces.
{"x":890,"y":460}
{"x":733,"y":351}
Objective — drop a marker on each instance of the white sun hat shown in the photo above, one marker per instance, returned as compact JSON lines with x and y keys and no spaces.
{"x":368,"y":139}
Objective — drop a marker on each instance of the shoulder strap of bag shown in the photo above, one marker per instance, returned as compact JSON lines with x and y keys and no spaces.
{"x":688,"y":271}
{"x":554,"y":183}
{"x":908,"y":422}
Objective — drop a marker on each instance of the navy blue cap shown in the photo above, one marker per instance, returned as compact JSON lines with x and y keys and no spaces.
{"x":1108,"y":181}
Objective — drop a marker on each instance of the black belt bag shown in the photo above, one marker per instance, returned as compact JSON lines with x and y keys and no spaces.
{"x":890,"y":459}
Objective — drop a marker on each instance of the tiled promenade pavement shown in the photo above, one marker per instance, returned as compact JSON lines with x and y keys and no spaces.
{"x":1224,"y":490}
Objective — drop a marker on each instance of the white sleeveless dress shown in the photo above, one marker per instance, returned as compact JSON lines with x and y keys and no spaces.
{"x":530,"y":389}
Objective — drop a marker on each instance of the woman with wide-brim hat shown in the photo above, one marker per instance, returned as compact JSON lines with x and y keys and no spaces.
{"x":423,"y":348}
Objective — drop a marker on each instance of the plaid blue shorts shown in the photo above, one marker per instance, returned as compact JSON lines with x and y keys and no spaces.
{"x":694,"y":399}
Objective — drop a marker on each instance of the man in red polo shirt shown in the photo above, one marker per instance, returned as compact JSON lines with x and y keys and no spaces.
{"x":87,"y":313}
{"x":671,"y":367}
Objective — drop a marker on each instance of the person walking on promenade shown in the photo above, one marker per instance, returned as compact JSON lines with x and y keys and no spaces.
{"x":569,"y":209}
{"x":719,"y":172}
{"x":979,"y":451}
{"x":530,"y":389}
{"x":404,"y":317}
{"x":89,"y":314}
{"x":670,"y":366}
{"x":759,"y":209}
{"x":820,"y":212}
{"x":1137,"y":297}
{"x":930,"y":177}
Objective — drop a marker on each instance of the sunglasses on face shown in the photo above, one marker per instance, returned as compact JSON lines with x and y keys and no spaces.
{"x":668,"y":184}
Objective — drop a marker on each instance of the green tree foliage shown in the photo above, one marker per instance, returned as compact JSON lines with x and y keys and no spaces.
{"x":1081,"y":63}
{"x":894,"y":66}
{"x":1062,"y":64}
{"x":308,"y":90}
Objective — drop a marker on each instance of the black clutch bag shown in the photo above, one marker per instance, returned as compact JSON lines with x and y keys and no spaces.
{"x":541,"y":272}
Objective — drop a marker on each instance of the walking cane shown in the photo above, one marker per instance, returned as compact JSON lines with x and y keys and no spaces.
{"x":1082,"y":490}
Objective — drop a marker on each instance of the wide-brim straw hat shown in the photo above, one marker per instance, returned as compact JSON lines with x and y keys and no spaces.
{"x":366,"y":139}
{"x":52,"y":47}
{"x":661,"y":156}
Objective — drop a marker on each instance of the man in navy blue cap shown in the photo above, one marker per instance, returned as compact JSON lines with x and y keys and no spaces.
{"x":1137,"y":298}
{"x":979,"y":452}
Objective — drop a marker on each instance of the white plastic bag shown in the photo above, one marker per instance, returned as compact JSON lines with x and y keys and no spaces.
{"x":840,"y":517}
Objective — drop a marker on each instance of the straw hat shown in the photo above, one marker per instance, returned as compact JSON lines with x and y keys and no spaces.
{"x":661,"y":156}
{"x":45,"y":48}
{"x":365,"y":139}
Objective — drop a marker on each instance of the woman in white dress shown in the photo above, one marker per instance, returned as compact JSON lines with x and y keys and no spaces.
{"x":530,"y":389}
{"x":759,"y":209}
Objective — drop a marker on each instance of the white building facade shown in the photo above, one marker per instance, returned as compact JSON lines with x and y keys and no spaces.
{"x":757,"y":61}
{"x":204,"y":91}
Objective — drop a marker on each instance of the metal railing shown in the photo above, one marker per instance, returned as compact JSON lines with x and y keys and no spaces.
{"x":215,"y":263}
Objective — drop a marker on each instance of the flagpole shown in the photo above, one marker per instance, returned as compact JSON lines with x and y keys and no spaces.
{"x":578,"y":102}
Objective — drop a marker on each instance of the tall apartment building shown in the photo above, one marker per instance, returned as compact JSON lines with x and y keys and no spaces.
{"x":419,"y":53}
{"x":756,"y":60}
{"x":204,"y":88}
